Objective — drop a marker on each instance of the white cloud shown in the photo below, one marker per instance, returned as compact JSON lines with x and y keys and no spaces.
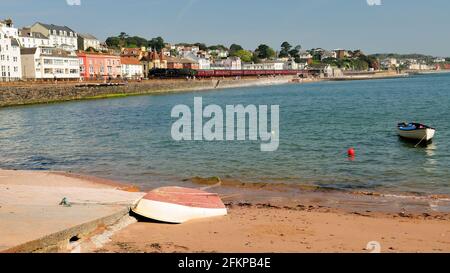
{"x":374,"y":2}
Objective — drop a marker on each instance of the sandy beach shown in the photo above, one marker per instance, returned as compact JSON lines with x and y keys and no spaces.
{"x":262,"y":229}
{"x":304,"y":224}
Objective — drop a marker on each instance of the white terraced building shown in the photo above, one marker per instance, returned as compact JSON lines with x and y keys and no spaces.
{"x":50,"y":63}
{"x":86,"y":41}
{"x":30,"y":39}
{"x":10,"y":62}
{"x":60,"y":36}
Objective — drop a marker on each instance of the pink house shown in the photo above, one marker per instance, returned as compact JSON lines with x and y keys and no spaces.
{"x":95,"y":66}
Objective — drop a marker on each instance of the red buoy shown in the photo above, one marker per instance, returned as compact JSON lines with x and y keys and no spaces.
{"x":351,"y":152}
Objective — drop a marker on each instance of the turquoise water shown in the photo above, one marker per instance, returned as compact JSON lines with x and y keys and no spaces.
{"x":129,"y":138}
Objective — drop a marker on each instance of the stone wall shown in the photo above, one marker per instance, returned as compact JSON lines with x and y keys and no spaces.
{"x":23,"y":94}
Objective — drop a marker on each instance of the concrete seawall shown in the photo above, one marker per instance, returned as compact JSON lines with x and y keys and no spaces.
{"x":25,"y":94}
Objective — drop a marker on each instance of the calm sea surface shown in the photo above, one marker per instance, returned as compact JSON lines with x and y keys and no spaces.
{"x":129,"y":138}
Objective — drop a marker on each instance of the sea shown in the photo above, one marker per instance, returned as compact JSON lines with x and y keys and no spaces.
{"x":129,"y":139}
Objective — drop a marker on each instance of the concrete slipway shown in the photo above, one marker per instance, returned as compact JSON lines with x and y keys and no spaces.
{"x":32,"y":219}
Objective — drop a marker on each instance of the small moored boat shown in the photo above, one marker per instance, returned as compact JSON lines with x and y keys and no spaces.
{"x":178,"y":205}
{"x":416,"y":131}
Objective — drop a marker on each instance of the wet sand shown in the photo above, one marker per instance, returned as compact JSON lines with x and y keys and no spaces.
{"x":265,"y":229}
{"x":283,"y":220}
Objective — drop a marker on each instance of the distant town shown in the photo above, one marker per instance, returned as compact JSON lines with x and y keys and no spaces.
{"x":48,"y":52}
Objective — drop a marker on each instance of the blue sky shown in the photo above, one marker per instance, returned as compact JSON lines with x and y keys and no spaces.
{"x":403,"y":26}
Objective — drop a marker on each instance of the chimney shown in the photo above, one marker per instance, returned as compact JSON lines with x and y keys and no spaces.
{"x":9,"y":22}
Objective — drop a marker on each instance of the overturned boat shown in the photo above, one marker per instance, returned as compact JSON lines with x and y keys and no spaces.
{"x":416,"y":131}
{"x":178,"y":205}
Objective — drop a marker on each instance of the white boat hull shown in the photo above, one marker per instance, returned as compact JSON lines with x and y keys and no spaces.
{"x":425,"y":134}
{"x":178,"y":205}
{"x":174,"y":213}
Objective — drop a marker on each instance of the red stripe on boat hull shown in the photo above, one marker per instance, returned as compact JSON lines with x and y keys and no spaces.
{"x":186,"y":197}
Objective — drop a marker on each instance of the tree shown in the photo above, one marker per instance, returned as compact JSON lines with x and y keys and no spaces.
{"x":285,"y":48}
{"x":294,"y":53}
{"x":123,"y":36}
{"x":156,"y":43}
{"x":317,"y":57}
{"x":113,"y":42}
{"x":124,"y":40}
{"x":298,"y":60}
{"x":218,"y":47}
{"x":201,"y":46}
{"x":373,"y":63}
{"x":265,"y":52}
{"x":256,"y":59}
{"x":91,"y":49}
{"x":235,"y":48}
{"x":174,"y":53}
{"x":245,"y":55}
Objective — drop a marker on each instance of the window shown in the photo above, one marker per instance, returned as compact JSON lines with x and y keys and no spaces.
{"x":58,"y":62}
{"x":48,"y":61}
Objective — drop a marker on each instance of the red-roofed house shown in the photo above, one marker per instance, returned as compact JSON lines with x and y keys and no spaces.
{"x":131,"y":68}
{"x":181,"y":63}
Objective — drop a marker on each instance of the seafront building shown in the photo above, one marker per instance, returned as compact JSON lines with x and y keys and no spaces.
{"x":131,"y":68}
{"x":10,"y":61}
{"x":48,"y":63}
{"x":390,"y":63}
{"x":86,"y":41}
{"x":29,"y":39}
{"x":153,"y":60}
{"x":181,"y":63}
{"x":99,"y":66}
{"x":60,"y":36}
{"x":265,"y":65}
{"x":230,"y":63}
{"x":290,"y":64}
{"x":198,"y":57}
{"x":137,"y":53}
